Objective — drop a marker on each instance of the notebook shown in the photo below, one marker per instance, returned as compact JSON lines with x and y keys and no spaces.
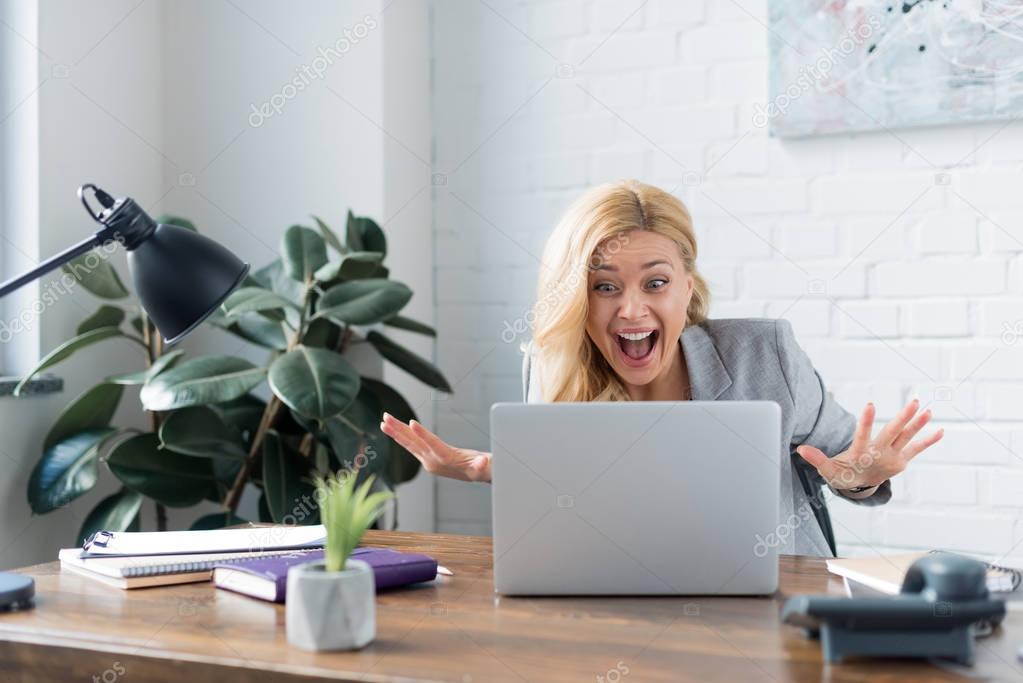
{"x":248,"y":539}
{"x":152,"y":570}
{"x":885,"y":575}
{"x":267,"y":578}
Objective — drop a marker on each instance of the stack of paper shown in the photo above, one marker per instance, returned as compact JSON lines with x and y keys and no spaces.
{"x":139,"y":559}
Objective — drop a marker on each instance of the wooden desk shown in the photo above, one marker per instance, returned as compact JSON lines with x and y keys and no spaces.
{"x":456,"y":630}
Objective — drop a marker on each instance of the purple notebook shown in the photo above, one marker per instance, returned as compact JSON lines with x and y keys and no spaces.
{"x":267,"y":577}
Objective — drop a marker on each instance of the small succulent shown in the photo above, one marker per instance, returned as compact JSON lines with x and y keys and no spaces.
{"x":346,"y":512}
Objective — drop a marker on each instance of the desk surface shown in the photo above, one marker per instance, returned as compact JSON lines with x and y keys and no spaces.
{"x":454,"y":630}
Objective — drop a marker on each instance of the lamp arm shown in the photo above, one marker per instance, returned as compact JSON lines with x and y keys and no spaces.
{"x":54,"y":262}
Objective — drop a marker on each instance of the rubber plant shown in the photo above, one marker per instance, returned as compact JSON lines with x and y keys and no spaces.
{"x":217,"y":423}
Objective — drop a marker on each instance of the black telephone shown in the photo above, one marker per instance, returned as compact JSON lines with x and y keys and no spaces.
{"x":944,"y":597}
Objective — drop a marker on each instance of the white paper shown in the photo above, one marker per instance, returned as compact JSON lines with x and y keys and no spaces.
{"x":252,"y":539}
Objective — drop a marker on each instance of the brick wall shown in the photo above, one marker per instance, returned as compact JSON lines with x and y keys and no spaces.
{"x":898,"y":256}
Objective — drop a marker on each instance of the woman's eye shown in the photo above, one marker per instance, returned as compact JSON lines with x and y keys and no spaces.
{"x":663,"y":282}
{"x":604,"y":287}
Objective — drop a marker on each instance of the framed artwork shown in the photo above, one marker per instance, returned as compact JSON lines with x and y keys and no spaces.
{"x":840,"y":66}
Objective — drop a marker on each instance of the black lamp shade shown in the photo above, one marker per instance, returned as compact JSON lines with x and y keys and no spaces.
{"x":182,"y":277}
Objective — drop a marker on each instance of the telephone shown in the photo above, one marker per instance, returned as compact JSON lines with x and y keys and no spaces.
{"x":943,"y":599}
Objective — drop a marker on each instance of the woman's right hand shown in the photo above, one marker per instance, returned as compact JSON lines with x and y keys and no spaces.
{"x":437,"y":456}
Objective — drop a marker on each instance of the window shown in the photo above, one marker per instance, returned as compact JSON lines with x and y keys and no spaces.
{"x":20,"y":63}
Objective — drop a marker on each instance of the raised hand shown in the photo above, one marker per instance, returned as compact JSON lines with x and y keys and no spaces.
{"x":437,"y":456}
{"x":869,"y":462}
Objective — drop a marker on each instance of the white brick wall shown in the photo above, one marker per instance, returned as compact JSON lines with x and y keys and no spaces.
{"x":897,"y":256}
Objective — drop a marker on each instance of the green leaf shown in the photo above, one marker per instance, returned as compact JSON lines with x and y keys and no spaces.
{"x":170,"y":478}
{"x":363,"y":302}
{"x":209,"y":379}
{"x":106,"y":316}
{"x":363,"y":234}
{"x":200,"y":431}
{"x":96,"y":275}
{"x":162,"y":363}
{"x":257,"y":299}
{"x":117,"y":512}
{"x":274,"y":276}
{"x":261,"y":331}
{"x":264,"y":509}
{"x":353,"y":236}
{"x":357,"y":264}
{"x":288,"y":496}
{"x":330,"y":236}
{"x":242,"y":414}
{"x":66,"y":470}
{"x":253,"y":328}
{"x":400,"y":466}
{"x":365,"y":414}
{"x":314,"y":382}
{"x":94,"y":409}
{"x":344,"y":442}
{"x":67,"y":349}
{"x":323,"y":333}
{"x":403,"y":323}
{"x":169,"y":219}
{"x":415,"y":365}
{"x":225,"y":471}
{"x":313,"y":427}
{"x":217,"y":520}
{"x":304,"y":252}
{"x":347,"y":512}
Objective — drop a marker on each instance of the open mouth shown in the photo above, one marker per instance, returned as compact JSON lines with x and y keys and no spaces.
{"x":637,"y":348}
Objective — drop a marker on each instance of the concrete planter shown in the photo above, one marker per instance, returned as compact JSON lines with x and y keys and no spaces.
{"x":331,"y":610}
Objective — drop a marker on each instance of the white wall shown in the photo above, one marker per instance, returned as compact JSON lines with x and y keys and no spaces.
{"x":244,"y":178}
{"x":917,"y":291}
{"x":153,"y":100}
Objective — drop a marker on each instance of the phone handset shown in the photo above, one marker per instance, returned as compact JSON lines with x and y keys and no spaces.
{"x":943,"y":598}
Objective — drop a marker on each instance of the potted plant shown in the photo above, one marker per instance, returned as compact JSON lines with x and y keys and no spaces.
{"x":331,"y":603}
{"x":220,"y":423}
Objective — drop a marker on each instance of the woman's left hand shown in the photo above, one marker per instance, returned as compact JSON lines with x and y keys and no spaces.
{"x":869,"y":462}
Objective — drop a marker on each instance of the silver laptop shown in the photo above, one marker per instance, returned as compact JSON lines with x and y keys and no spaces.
{"x":635,"y":497}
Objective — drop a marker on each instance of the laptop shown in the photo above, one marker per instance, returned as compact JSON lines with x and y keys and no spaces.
{"x":635,"y":497}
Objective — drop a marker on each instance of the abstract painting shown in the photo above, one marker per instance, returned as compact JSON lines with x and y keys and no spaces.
{"x":839,"y":66}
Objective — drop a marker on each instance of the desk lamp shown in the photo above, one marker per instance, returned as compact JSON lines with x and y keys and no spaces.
{"x":180,"y":276}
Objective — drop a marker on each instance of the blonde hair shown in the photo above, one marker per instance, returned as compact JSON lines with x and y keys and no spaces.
{"x":570,"y":366}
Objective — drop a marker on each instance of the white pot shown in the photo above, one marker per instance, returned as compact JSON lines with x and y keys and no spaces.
{"x":331,"y":610}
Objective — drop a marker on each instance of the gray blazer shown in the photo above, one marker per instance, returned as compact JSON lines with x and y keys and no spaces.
{"x":759,"y":359}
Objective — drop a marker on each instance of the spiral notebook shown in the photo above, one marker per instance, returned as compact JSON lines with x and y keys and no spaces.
{"x":153,"y":570}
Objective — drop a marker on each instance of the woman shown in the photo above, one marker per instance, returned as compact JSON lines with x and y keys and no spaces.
{"x":622,"y":315}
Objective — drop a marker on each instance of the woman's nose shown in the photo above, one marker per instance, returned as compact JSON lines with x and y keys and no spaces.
{"x":633,"y":307}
